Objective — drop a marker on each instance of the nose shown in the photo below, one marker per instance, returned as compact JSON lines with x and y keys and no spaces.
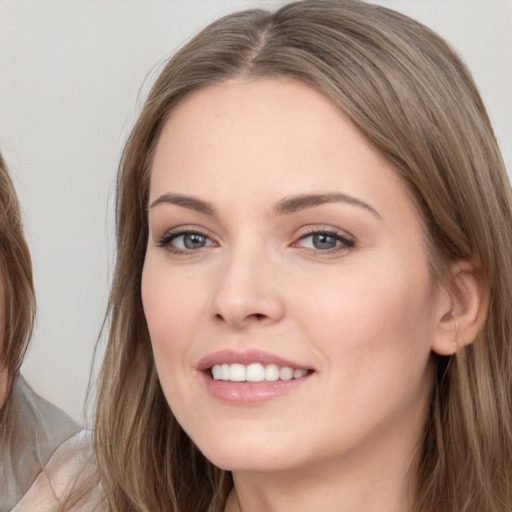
{"x":247,"y":291}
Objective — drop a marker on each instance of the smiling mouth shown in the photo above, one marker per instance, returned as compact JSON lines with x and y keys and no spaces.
{"x":255,"y":372}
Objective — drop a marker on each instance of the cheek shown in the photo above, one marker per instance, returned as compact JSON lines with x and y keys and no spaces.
{"x":172,"y":306}
{"x":372,"y":334}
{"x":358,"y":317}
{"x":171,"y":301}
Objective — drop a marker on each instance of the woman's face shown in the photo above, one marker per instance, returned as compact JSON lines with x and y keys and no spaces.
{"x":283,"y":247}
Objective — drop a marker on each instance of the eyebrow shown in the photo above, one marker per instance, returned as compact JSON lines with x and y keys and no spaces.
{"x":303,"y":202}
{"x":285,"y":206}
{"x":189,"y":202}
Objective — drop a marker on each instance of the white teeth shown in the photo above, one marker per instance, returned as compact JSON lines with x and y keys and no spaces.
{"x":271,"y":372}
{"x":217,"y":372}
{"x":286,"y":373}
{"x":297,"y":374}
{"x":237,"y":372}
{"x":255,"y":372}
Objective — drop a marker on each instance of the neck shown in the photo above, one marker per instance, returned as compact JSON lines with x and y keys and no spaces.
{"x":346,"y":493}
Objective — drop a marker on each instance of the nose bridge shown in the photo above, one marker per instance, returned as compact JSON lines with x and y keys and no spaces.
{"x":246,"y":291}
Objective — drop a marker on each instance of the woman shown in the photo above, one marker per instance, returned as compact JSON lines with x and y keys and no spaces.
{"x":42,"y":450}
{"x":311,"y":303}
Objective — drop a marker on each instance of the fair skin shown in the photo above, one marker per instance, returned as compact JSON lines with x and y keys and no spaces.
{"x":277,"y":232}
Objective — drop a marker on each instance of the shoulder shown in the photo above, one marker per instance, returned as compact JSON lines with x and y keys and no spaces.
{"x":45,"y":458}
{"x":68,"y":482}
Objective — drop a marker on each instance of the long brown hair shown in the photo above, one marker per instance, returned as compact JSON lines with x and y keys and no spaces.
{"x":17,"y":283}
{"x":413,"y":98}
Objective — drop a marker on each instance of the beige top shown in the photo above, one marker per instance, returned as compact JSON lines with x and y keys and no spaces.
{"x":46,"y":462}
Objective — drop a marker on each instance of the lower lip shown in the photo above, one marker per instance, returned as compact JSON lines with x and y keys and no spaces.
{"x":250,"y":393}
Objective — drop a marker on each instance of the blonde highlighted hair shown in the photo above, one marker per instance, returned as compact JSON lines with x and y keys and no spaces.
{"x":415,"y":101}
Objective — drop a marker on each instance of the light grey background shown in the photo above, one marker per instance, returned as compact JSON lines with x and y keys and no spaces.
{"x":71,"y":84}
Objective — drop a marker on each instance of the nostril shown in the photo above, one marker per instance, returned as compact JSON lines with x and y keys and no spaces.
{"x":258,"y":316}
{"x":253,"y":317}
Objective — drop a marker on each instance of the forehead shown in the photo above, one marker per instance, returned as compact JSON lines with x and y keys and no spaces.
{"x":263,"y":129}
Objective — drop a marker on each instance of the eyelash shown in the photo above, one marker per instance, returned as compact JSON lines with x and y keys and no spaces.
{"x":343,"y":243}
{"x":166,"y":241}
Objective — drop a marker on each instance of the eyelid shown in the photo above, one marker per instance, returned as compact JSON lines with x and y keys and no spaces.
{"x":324,"y":228}
{"x":347,"y":240}
{"x":164,"y":241}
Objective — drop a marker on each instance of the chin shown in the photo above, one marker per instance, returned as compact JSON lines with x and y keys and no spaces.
{"x":246,"y":453}
{"x":259,"y":463}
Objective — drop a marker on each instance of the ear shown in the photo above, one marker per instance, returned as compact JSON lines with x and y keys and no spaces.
{"x":463,"y":303}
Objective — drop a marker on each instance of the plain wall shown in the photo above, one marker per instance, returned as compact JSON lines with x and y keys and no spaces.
{"x":71,"y":73}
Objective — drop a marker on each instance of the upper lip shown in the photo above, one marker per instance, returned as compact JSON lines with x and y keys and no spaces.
{"x":246,"y":357}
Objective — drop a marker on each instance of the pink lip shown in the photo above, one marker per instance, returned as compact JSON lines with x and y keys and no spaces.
{"x":248,"y":393}
{"x":248,"y":357}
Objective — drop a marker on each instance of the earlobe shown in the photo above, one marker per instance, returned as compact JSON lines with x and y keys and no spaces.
{"x":463,"y":308}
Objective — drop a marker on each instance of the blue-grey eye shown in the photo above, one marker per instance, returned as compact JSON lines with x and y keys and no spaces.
{"x":192,"y":240}
{"x":324,"y":241}
{"x":185,"y":241}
